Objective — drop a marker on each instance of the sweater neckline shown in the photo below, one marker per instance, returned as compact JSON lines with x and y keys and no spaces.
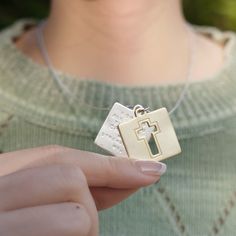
{"x":28,"y":90}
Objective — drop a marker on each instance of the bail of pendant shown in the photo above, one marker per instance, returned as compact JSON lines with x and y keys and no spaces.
{"x":140,"y":110}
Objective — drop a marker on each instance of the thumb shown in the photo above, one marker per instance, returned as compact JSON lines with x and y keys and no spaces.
{"x":100,"y":170}
{"x":127,"y":173}
{"x":114,"y":172}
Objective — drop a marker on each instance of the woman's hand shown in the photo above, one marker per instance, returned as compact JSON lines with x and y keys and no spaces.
{"x":55,"y":190}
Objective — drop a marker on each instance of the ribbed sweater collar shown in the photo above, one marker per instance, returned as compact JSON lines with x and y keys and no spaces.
{"x":28,"y":90}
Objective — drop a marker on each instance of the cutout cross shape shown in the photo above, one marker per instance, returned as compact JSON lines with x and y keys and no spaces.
{"x":147,"y":132}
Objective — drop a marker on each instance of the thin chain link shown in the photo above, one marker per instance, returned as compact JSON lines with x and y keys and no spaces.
{"x":67,"y":92}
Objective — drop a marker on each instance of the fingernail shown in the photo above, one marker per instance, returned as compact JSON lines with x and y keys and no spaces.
{"x":151,"y":167}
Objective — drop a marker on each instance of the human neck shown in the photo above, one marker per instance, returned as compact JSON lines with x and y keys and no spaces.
{"x":121,"y":26}
{"x":126,"y":41}
{"x":117,"y":41}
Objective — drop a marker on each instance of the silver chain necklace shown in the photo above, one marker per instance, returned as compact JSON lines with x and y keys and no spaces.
{"x":67,"y":92}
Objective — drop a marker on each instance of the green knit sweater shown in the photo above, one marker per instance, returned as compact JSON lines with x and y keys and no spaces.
{"x":196,"y":196}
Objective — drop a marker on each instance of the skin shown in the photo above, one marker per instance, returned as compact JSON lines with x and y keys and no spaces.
{"x":137,"y":42}
{"x":58,"y":191}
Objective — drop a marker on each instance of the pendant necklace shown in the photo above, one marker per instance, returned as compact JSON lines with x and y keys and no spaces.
{"x":132,"y":131}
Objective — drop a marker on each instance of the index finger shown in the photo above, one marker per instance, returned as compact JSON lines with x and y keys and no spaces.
{"x":100,"y":170}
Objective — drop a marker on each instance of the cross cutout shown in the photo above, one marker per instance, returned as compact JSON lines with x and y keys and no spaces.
{"x":147,"y":132}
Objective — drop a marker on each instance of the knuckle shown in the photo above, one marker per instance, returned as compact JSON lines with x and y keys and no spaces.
{"x":55,"y":148}
{"x":72,"y":173}
{"x":110,"y":167}
{"x":72,"y":178}
{"x":59,"y":154}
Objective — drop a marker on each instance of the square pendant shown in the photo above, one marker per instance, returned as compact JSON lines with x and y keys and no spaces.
{"x":150,"y":136}
{"x":108,"y":136}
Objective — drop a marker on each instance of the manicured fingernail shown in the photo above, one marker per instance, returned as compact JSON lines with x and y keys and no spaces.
{"x":151,"y":167}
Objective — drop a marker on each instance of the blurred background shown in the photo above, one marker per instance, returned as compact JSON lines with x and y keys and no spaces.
{"x":220,"y":13}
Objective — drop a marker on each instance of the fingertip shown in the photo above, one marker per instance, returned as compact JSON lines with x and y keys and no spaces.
{"x":150,"y":167}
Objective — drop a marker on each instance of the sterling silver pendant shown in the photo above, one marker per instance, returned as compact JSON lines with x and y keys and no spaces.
{"x":138,"y":133}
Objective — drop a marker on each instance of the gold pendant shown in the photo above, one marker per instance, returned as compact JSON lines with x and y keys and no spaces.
{"x":150,"y":135}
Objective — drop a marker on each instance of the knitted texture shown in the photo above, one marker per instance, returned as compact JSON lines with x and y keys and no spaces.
{"x":197,"y":195}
